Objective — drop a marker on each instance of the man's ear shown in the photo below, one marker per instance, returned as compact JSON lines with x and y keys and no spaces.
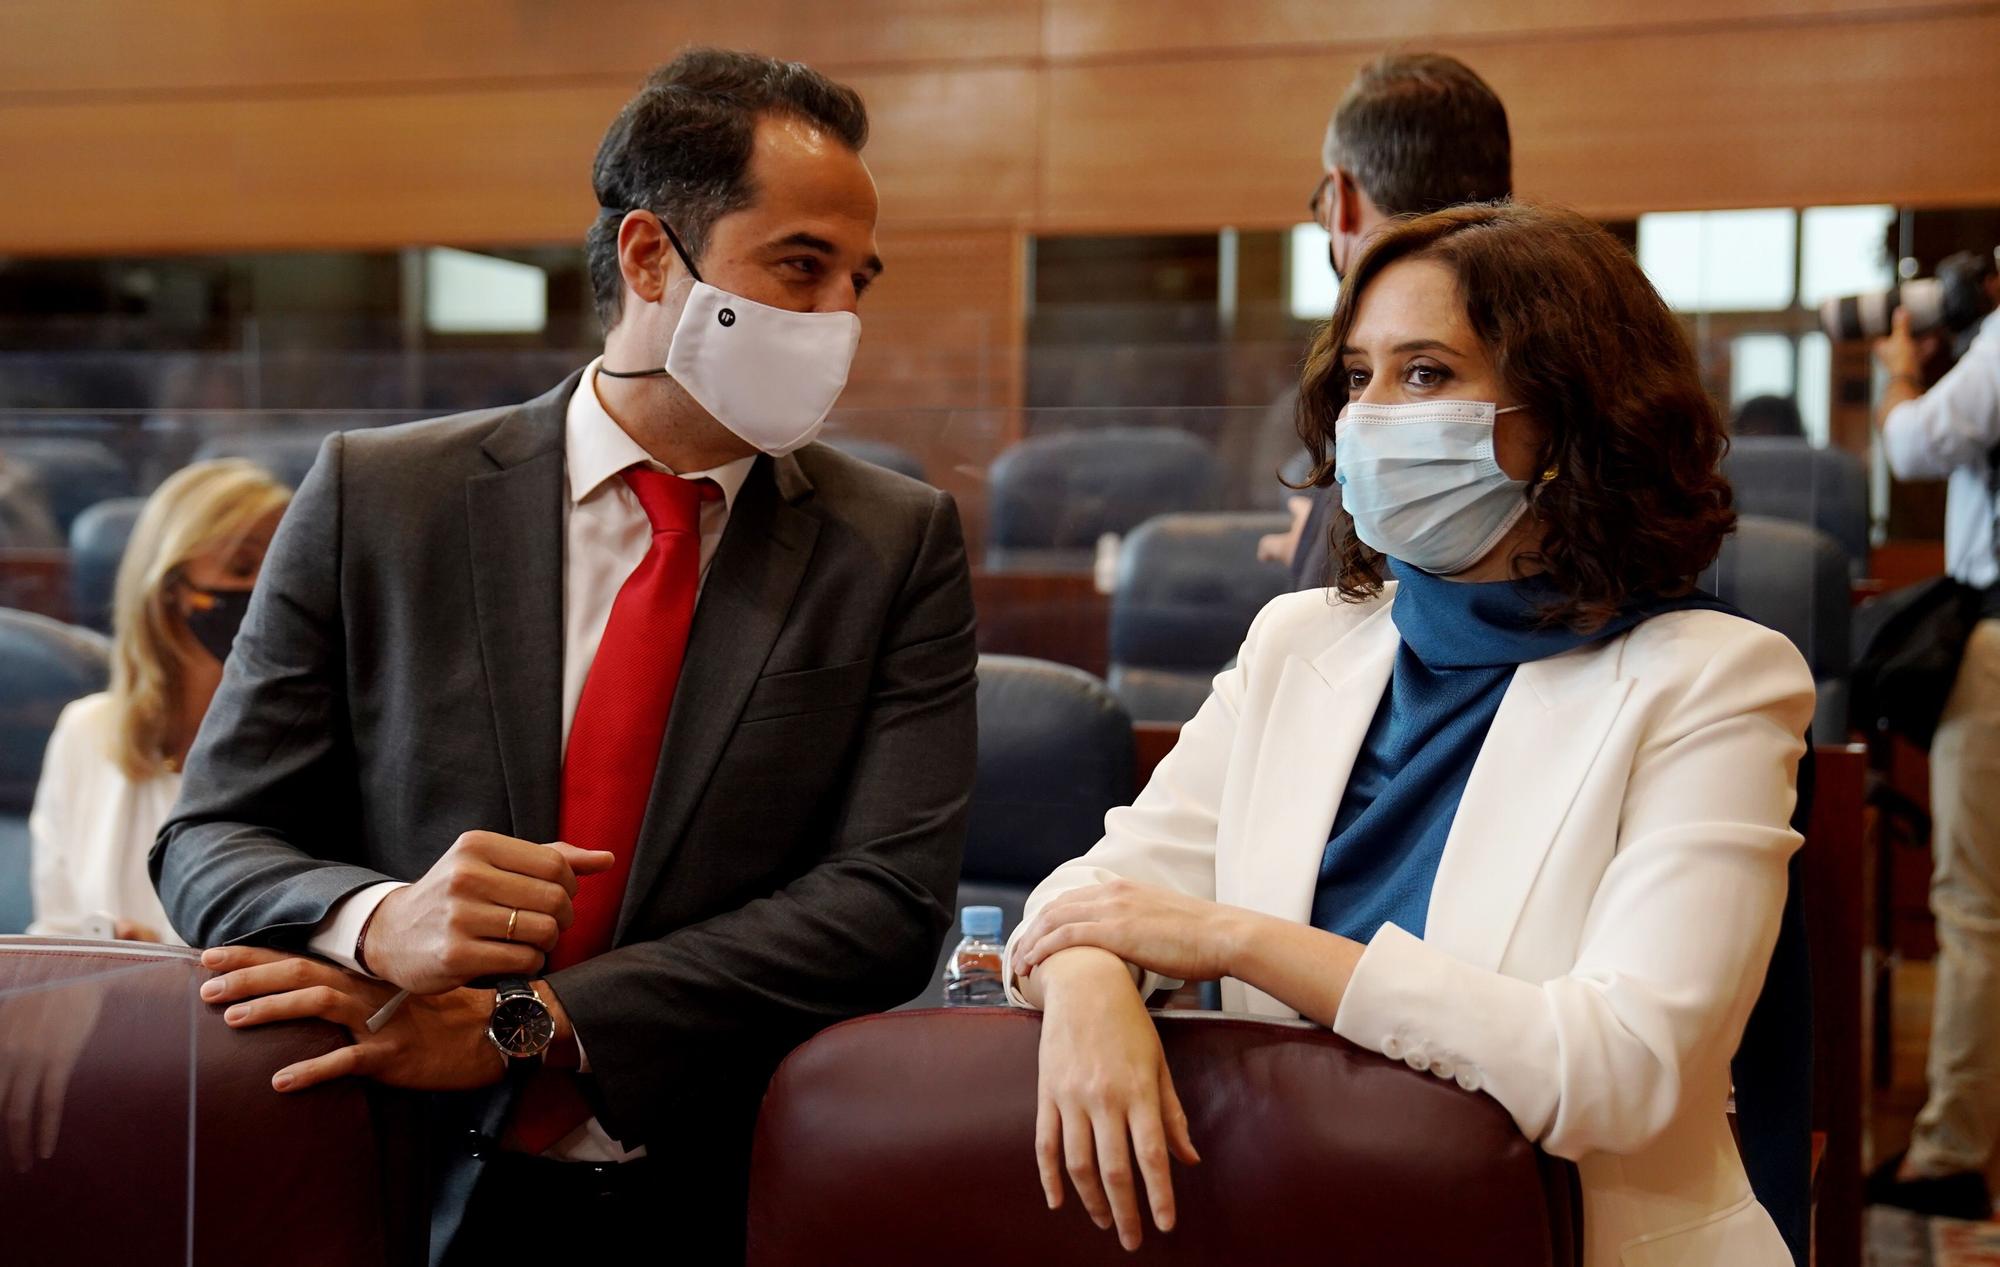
{"x":644,"y":255}
{"x":1347,"y":200}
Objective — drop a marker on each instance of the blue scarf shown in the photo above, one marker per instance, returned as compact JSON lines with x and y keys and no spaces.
{"x":1461,"y":643}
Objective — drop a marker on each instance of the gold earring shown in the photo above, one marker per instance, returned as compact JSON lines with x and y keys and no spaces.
{"x":1551,"y":473}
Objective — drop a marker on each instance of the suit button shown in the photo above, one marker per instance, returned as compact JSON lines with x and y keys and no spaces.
{"x":1441,"y":1067}
{"x":1417,"y":1061}
{"x":1468,"y":1079}
{"x":1392,"y":1047}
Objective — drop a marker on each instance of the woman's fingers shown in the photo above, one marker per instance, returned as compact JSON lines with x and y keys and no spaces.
{"x":1048,"y":1151}
{"x":1149,"y":1148}
{"x":1114,"y":1168}
{"x":1048,"y":942}
{"x":1175,"y":1119}
{"x":1080,"y":1160}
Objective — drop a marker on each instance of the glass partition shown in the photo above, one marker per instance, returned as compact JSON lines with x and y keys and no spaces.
{"x":1144,"y":376}
{"x":1120,"y":540}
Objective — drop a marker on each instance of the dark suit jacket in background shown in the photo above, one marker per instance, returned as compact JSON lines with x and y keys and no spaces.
{"x":1310,"y":557}
{"x":398,"y":681}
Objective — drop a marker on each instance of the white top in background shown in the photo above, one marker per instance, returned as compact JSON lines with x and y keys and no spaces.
{"x":92,"y":827}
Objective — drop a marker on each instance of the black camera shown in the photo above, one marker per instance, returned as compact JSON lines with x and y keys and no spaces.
{"x":1953,"y":301}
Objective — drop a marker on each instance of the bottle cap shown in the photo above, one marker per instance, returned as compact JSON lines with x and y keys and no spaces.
{"x":980,"y":921}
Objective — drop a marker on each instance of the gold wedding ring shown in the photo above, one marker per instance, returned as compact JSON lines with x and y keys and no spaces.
{"x":511,"y":917}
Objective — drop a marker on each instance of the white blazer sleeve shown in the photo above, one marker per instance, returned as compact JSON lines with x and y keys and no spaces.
{"x":52,"y":835}
{"x":1166,"y":836}
{"x":1676,"y":941}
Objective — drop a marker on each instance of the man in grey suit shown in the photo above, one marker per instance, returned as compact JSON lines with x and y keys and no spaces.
{"x":627,"y":729}
{"x":1415,"y":133}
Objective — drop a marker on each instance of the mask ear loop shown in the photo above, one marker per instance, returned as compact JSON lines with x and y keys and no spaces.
{"x":693,"y":272}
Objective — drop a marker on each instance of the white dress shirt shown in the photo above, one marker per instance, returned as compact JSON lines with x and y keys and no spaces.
{"x":92,"y":827}
{"x":1947,"y":434}
{"x":605,"y":536}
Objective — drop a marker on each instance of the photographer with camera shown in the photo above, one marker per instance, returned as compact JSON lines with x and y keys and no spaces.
{"x":1952,"y":432}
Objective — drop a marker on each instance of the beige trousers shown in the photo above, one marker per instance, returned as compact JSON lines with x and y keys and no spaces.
{"x":1960,"y":1123}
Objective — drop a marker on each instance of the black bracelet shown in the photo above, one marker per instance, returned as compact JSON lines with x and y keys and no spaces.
{"x":361,"y":939}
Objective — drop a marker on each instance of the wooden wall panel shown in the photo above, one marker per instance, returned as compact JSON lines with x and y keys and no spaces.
{"x":1849,"y":113}
{"x":498,"y":166}
{"x":336,"y":172}
{"x":131,"y":126}
{"x":953,"y":147}
{"x":1615,"y":125}
{"x":213,"y":46}
{"x":1084,"y":29}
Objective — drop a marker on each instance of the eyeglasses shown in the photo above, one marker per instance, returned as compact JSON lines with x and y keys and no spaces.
{"x":1318,"y":198}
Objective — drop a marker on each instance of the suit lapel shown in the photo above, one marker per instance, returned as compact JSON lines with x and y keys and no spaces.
{"x":514,"y":523}
{"x":744,"y":602}
{"x":1320,"y":715}
{"x":1548,"y":733}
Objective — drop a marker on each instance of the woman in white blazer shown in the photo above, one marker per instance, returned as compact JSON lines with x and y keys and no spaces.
{"x":112,"y":768}
{"x":1519,"y":817}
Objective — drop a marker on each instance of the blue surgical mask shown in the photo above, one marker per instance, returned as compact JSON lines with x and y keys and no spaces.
{"x":1422,"y":482}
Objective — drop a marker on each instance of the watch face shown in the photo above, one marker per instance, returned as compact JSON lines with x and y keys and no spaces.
{"x":521,"y":1025}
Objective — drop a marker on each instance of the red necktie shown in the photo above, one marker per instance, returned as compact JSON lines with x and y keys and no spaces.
{"x":614,"y":750}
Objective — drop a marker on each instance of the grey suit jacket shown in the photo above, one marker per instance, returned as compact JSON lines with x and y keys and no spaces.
{"x":1311,"y":557}
{"x":398,"y":681}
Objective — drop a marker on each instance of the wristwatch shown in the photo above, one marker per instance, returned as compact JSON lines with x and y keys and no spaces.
{"x":522,"y":1026}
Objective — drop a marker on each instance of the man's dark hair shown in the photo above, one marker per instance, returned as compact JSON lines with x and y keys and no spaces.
{"x":1420,"y":132}
{"x":1768,"y":416}
{"x":681,"y":148}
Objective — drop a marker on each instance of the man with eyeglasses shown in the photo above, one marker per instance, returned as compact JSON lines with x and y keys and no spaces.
{"x":1416,"y":132}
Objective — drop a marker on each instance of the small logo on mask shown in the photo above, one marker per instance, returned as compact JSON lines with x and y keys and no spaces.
{"x":727,"y":316}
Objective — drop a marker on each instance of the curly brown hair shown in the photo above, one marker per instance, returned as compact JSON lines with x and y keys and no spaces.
{"x":1580,"y":337}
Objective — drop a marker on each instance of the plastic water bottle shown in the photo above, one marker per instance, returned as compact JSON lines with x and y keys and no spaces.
{"x":973,"y":977}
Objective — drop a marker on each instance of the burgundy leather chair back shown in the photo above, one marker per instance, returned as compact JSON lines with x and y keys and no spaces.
{"x":171,"y":1146}
{"x":909,"y":1138}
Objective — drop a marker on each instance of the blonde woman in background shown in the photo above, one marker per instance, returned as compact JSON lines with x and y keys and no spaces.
{"x":113,"y":764}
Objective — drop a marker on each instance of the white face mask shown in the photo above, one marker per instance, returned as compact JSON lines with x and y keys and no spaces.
{"x":1422,"y":482}
{"x":768,"y":374}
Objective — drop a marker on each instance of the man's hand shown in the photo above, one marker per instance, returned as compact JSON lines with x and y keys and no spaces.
{"x":434,"y":1043}
{"x":451,"y":926}
{"x":1279,"y":547}
{"x":1898,"y":354}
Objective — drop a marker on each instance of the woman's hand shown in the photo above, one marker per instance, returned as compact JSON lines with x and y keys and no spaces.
{"x":1104,"y":1082}
{"x":1156,"y":928}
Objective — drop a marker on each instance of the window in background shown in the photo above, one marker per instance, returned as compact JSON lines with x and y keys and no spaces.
{"x":1844,"y":251}
{"x":1721,"y":261}
{"x":1815,"y":394}
{"x":1310,"y":287}
{"x":1759,"y":365}
{"x":466,"y":293}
